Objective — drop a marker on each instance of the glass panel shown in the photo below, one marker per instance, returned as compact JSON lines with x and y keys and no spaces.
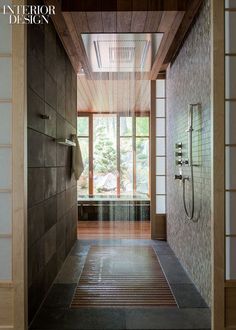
{"x":5,"y":123}
{"x":160,"y":204}
{"x":126,"y":127}
{"x":5,"y":259}
{"x":230,"y":79}
{"x":230,"y":28}
{"x":160,"y":184}
{"x":6,"y":168}
{"x":160,"y":108}
{"x":5,"y":213}
{"x":230,"y":210}
{"x":83,"y":182}
{"x":6,"y":83}
{"x":160,"y":166}
{"x":230,"y":123}
{"x":83,"y":126}
{"x":142,"y":126}
{"x":160,"y":88}
{"x":160,"y":127}
{"x":104,"y":155}
{"x":230,"y":258}
{"x":126,"y":165}
{"x":142,"y":165}
{"x":230,"y":166}
{"x":230,"y":3}
{"x":160,"y":147}
{"x":5,"y":34}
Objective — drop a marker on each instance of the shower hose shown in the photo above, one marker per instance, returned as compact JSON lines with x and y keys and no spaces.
{"x":190,"y":212}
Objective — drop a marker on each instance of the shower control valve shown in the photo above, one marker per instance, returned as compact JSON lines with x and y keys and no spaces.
{"x":179,"y":162}
{"x":178,"y":154}
{"x":179,"y":145}
{"x":178,"y":177}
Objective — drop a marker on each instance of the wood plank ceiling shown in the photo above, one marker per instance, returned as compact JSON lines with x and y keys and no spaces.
{"x":115,"y":91}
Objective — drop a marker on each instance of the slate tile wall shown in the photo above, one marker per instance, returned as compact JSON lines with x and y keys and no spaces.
{"x":52,"y":203}
{"x":189,"y":81}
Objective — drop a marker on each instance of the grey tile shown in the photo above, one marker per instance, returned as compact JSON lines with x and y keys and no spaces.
{"x":61,"y":101}
{"x":50,"y":91}
{"x":35,"y":108}
{"x":50,"y":152}
{"x":187,"y":296}
{"x":50,"y":182}
{"x":36,"y":259}
{"x":61,"y":205}
{"x":50,"y":212}
{"x":35,"y":223}
{"x":168,"y":318}
{"x":84,"y":319}
{"x":60,"y":295}
{"x":50,"y":244}
{"x":173,"y":269}
{"x":35,"y":41}
{"x":36,"y":186}
{"x":61,"y":179}
{"x":35,"y":74}
{"x":50,"y":124}
{"x":71,"y":270}
{"x":35,"y":148}
{"x":50,"y":50}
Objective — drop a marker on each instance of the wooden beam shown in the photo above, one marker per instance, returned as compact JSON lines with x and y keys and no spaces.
{"x":124,"y":5}
{"x":166,"y":43}
{"x":77,"y":42}
{"x":64,"y":35}
{"x":183,"y":30}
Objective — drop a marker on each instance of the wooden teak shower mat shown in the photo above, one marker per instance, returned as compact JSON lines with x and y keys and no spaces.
{"x":122,"y":276}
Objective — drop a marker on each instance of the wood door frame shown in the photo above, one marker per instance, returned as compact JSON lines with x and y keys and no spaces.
{"x":218,"y":164}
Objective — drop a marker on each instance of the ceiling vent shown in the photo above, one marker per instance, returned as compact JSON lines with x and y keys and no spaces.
{"x":121,"y":52}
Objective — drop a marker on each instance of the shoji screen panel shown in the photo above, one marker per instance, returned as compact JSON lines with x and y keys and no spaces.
{"x":230,"y":163}
{"x":160,"y":147}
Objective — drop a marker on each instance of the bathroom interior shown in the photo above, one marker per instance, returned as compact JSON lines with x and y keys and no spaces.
{"x":119,"y":166}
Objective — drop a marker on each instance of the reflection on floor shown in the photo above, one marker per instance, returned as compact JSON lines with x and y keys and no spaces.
{"x":114,"y":229}
{"x":191,"y":312}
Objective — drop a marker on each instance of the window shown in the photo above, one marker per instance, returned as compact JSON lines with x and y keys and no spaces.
{"x":115,"y":150}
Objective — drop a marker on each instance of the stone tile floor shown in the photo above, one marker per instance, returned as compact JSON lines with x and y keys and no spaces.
{"x":191,"y":313}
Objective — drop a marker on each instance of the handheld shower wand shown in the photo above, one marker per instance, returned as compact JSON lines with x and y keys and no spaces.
{"x":190,"y":212}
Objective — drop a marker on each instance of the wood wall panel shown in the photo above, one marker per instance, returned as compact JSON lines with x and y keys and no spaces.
{"x":6,"y":306}
{"x":230,"y":307}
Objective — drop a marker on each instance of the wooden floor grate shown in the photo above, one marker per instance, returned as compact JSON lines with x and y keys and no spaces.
{"x":122,"y":276}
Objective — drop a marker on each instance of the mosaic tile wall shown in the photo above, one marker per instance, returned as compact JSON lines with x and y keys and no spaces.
{"x":189,"y":81}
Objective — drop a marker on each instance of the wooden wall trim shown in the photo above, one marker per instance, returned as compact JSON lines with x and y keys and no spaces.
{"x":19,"y":151}
{"x":217,"y":115}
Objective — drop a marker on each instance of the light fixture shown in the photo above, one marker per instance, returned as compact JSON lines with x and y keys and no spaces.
{"x":81,"y":72}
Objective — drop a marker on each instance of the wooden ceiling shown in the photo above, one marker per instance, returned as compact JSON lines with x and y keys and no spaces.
{"x":113,"y":95}
{"x":114,"y":91}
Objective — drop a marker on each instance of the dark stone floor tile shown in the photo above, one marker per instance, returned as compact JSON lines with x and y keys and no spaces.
{"x":187,"y":296}
{"x":162,"y":249}
{"x":173,"y":269}
{"x":71,"y":270}
{"x":80,"y":319}
{"x":60,"y":295}
{"x":168,"y":318}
